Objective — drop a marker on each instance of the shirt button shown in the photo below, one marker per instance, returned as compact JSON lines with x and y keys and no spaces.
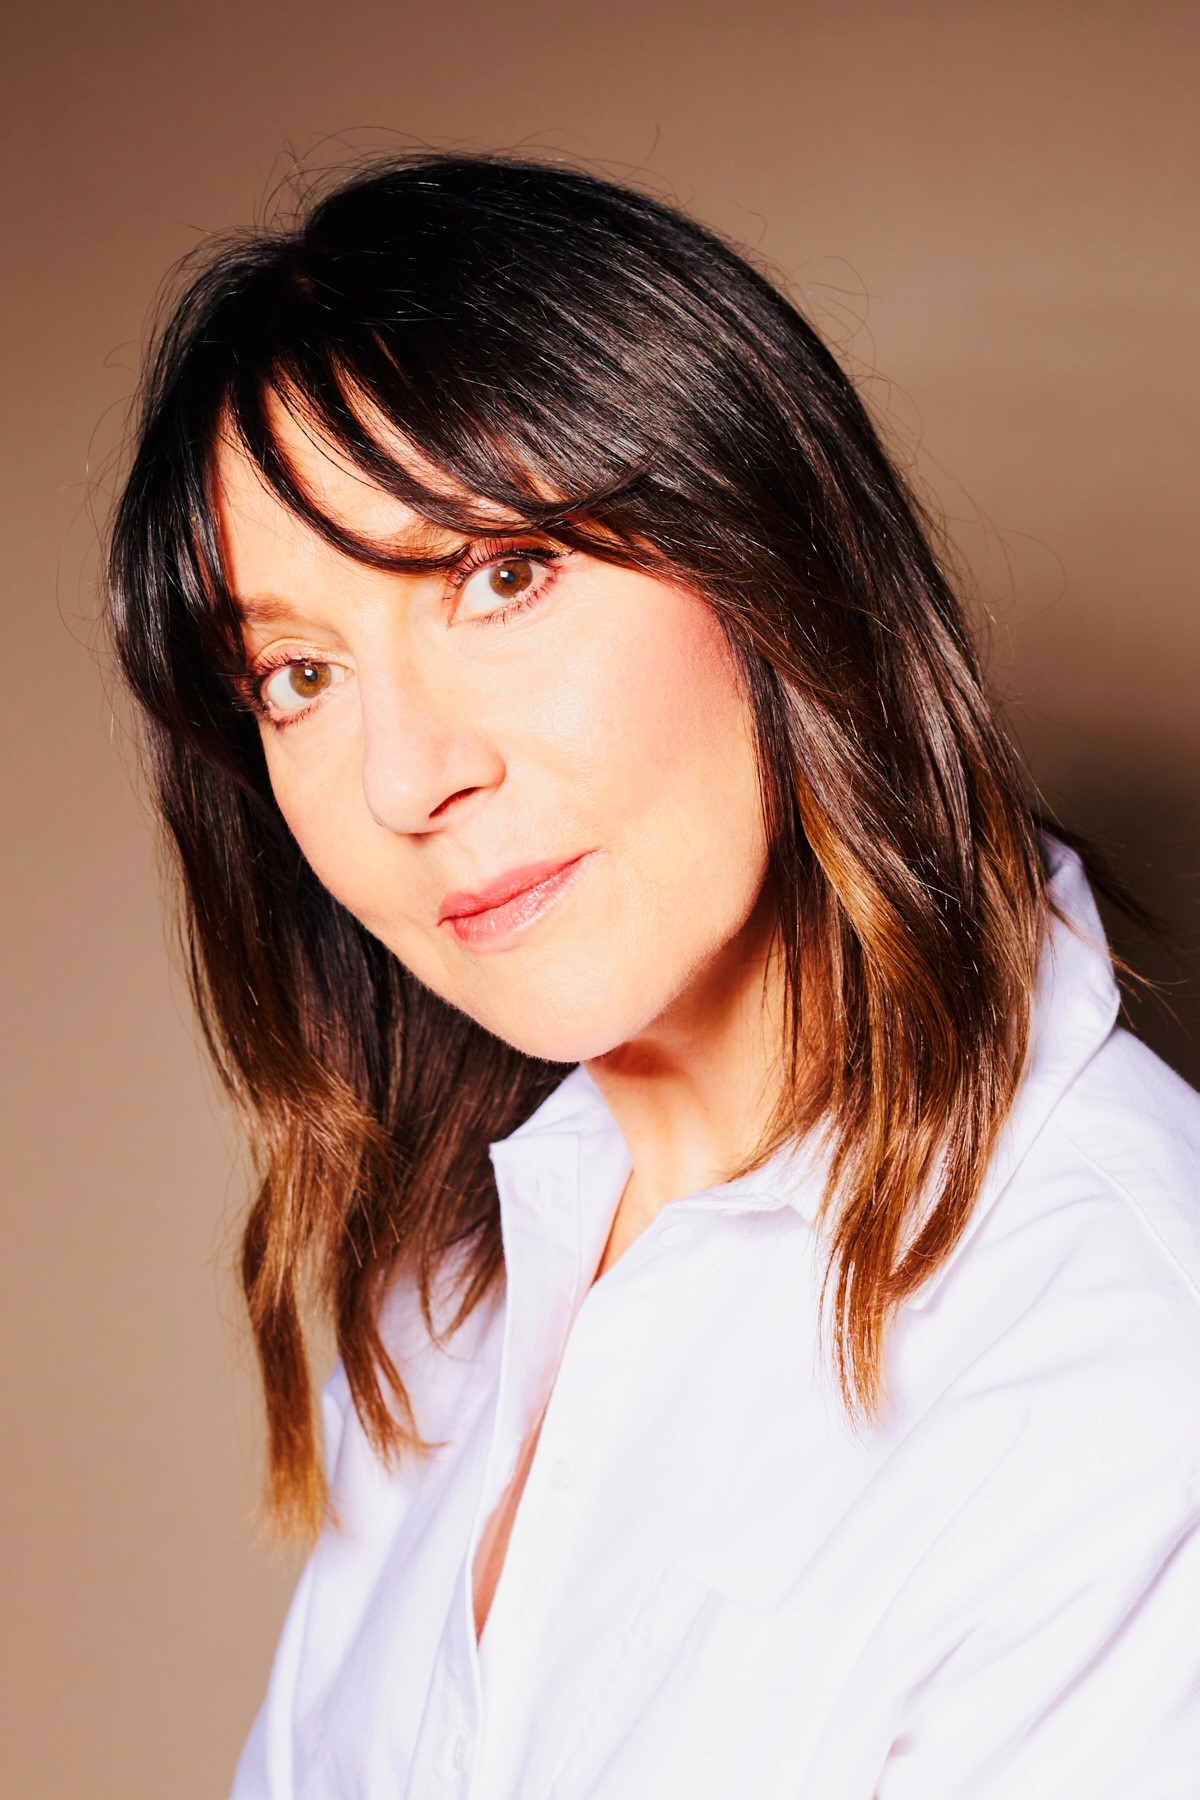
{"x":459,"y":1755}
{"x":563,"y":1472}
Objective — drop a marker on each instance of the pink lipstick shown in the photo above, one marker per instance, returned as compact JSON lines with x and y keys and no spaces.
{"x":506,"y":906}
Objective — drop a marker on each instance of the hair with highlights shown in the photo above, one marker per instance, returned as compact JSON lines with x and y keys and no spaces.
{"x":612,"y":373}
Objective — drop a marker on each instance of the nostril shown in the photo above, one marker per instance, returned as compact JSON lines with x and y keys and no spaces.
{"x":444,"y":805}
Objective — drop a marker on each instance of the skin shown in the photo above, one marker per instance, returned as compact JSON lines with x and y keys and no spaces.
{"x":445,"y":748}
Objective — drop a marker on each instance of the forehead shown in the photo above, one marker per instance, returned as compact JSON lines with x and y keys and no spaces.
{"x":254,"y":521}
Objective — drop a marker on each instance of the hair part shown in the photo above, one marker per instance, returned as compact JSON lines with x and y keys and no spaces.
{"x":601,"y":367}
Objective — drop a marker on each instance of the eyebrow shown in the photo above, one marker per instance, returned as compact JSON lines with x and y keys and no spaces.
{"x":270,"y":609}
{"x":267,"y":609}
{"x":262,"y":609}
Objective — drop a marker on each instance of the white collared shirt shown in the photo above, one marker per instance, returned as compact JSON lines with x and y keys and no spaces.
{"x":716,"y":1588}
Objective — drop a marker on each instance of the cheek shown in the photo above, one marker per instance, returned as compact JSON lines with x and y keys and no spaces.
{"x":633,"y":736}
{"x":681,"y":769}
{"x":678,"y":787}
{"x":321,"y":799}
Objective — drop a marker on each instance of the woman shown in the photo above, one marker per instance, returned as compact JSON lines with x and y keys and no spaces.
{"x":764,"y":1275}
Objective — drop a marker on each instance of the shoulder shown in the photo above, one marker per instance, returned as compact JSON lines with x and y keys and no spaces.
{"x":1130,"y":1127}
{"x":1052,"y":1381}
{"x":1113,"y":1182}
{"x":1106,"y":1191}
{"x":1075,"y":1303}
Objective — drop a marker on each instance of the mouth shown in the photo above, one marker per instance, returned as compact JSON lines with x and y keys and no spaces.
{"x":510,"y":904}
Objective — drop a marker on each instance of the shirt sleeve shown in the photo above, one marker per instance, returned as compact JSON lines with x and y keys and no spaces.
{"x":264,"y":1769}
{"x":1082,"y":1680}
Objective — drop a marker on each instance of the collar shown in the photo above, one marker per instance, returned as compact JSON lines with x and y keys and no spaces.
{"x":571,"y":1143}
{"x":576,"y":1113}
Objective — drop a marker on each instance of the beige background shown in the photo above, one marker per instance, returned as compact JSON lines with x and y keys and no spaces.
{"x":990,"y":208}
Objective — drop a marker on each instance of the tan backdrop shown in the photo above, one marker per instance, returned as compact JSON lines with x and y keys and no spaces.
{"x":989,"y":206}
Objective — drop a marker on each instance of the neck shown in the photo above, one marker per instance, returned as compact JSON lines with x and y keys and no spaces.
{"x":694,"y":1092}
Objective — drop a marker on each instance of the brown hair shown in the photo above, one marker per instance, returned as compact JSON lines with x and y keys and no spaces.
{"x":537,"y":332}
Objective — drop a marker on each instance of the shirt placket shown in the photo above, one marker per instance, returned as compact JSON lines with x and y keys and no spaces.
{"x":596,"y":1384}
{"x":547,"y":1243}
{"x":548,"y":1571}
{"x":479,"y":1739}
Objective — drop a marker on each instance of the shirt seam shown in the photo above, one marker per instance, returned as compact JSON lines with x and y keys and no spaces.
{"x":1119,"y":1187}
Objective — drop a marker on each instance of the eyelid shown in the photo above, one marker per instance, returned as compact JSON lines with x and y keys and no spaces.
{"x":484,"y":551}
{"x":250,"y":681}
{"x":250,"y":684}
{"x":547,"y":558}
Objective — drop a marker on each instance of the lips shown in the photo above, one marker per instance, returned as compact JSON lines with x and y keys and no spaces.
{"x":461,"y":904}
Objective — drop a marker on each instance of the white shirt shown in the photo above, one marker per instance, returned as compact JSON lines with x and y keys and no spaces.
{"x":716,"y":1589}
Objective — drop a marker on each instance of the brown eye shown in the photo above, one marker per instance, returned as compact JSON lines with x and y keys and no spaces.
{"x":496,"y":586}
{"x":307,"y":679}
{"x":295,"y":685}
{"x":511,"y":577}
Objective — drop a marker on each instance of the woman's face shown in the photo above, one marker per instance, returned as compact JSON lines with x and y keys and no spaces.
{"x":425,"y":744}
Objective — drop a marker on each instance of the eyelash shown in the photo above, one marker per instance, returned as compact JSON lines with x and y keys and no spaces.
{"x":483,"y":556}
{"x":249,"y":686}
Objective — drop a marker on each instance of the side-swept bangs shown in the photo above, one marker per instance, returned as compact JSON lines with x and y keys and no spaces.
{"x":499,"y":342}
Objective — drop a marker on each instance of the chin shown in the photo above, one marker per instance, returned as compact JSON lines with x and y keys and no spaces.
{"x":561,"y":1030}
{"x":561,"y":1040}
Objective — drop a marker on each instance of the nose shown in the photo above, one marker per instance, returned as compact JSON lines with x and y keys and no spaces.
{"x":420,"y":750}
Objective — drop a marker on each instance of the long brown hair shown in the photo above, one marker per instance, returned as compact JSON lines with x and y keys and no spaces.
{"x":617,"y":376}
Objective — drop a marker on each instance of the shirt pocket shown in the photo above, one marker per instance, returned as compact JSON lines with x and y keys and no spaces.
{"x":705,"y":1634}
